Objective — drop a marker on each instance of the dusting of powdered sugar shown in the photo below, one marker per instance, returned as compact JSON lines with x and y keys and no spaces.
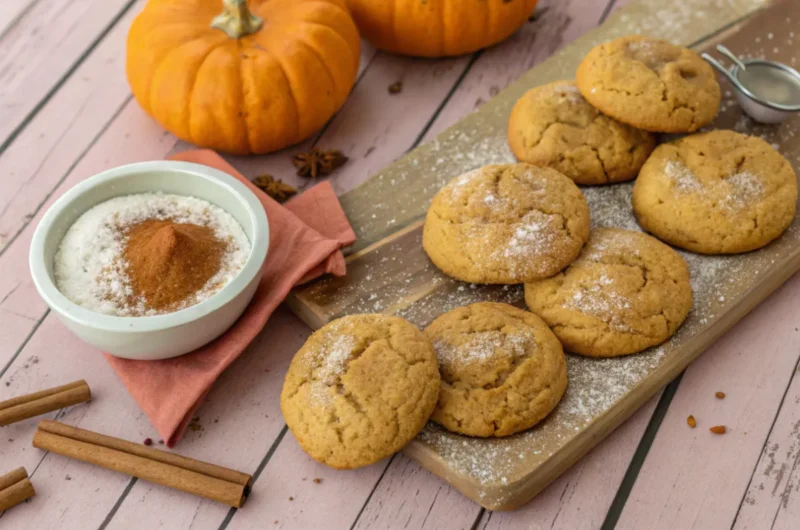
{"x":602,"y":300}
{"x":483,"y":346}
{"x":684,"y":180}
{"x":744,"y":188}
{"x":531,"y":236}
{"x":733,"y":193}
{"x":329,"y":364}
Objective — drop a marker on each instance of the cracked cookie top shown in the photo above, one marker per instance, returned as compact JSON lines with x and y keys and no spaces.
{"x":554,"y":126}
{"x":502,"y":369}
{"x":650,"y":84}
{"x":718,"y":192}
{"x":506,"y":224}
{"x":360,"y":389}
{"x":626,"y":292}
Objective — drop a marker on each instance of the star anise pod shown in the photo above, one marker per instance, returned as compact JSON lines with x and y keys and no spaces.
{"x":318,"y":162}
{"x":273,"y":187}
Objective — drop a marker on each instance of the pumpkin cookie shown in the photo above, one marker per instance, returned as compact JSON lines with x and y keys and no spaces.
{"x":506,"y":224}
{"x":718,"y":192}
{"x":650,"y":84}
{"x":626,"y":292}
{"x":554,"y":126}
{"x":360,"y":389}
{"x":502,"y":369}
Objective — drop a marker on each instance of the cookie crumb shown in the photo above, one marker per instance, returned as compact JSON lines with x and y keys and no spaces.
{"x":719,"y":395}
{"x":691,"y":421}
{"x":291,"y":498}
{"x":317,"y":481}
{"x":396,"y":87}
{"x":718,"y":429}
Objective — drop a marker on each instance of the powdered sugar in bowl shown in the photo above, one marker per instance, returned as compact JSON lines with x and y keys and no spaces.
{"x":199,"y":227}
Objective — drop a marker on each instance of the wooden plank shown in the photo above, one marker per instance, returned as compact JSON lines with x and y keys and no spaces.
{"x":692,"y":478}
{"x":11,"y":12}
{"x":42,"y":47}
{"x":289,"y":498}
{"x":581,"y":497}
{"x":45,"y":150}
{"x":773,"y":494}
{"x":410,"y":496}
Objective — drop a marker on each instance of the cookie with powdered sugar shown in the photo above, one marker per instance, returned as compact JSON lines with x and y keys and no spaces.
{"x":719,"y":192}
{"x":625,"y":293}
{"x":502,"y":369}
{"x":506,"y":224}
{"x":360,"y":389}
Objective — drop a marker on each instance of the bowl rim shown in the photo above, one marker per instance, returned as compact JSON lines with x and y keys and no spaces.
{"x":259,"y":245}
{"x":741,"y":89}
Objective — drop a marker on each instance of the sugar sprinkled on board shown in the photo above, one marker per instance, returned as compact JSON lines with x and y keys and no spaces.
{"x":596,"y":385}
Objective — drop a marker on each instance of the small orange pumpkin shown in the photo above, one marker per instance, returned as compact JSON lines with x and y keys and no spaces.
{"x":242,"y":80}
{"x":437,"y":28}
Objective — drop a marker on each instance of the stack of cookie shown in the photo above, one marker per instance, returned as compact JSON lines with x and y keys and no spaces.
{"x":363,"y":386}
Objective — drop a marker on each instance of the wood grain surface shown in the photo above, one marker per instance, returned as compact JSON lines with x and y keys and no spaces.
{"x":83,"y":132}
{"x":46,"y":43}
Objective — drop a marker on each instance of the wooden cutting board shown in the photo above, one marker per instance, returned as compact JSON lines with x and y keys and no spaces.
{"x":388,"y":272}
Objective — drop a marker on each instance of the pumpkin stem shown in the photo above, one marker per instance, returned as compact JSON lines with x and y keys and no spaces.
{"x":236,"y":20}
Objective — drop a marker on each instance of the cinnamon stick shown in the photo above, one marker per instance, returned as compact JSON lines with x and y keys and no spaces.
{"x":168,"y":469}
{"x":15,"y":487}
{"x":30,"y":405}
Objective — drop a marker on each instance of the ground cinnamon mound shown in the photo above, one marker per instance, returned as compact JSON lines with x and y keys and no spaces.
{"x":168,"y":262}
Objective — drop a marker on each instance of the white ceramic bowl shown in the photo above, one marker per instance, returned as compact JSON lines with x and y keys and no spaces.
{"x":171,"y":334}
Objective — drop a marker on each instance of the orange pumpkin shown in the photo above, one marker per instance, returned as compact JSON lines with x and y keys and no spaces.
{"x":436,"y":28}
{"x":242,"y":80}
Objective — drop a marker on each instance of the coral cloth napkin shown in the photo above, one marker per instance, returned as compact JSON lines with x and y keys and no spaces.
{"x":306,"y":235}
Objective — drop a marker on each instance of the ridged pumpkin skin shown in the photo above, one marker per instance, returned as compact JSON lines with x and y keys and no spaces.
{"x":438,"y":28}
{"x":253,"y":94}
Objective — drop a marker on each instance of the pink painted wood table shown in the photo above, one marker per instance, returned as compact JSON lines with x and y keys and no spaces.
{"x":67,"y":113}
